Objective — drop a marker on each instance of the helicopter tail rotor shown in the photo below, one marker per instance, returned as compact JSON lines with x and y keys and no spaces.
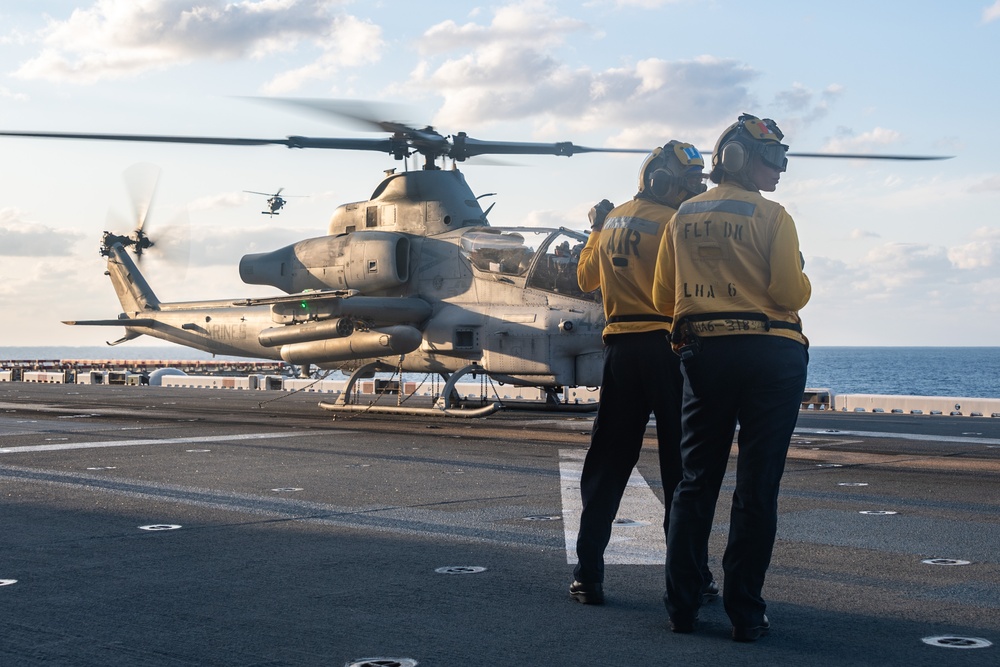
{"x":141,"y":182}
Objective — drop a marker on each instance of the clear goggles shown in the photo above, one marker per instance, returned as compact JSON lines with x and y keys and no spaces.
{"x":694,"y":180}
{"x":773,"y":154}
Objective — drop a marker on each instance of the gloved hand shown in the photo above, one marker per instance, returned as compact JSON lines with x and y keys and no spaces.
{"x":599,"y":213}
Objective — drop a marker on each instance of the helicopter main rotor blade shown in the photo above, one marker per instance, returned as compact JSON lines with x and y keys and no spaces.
{"x":871,"y":156}
{"x":360,"y":114}
{"x":366,"y":116}
{"x":465,"y":147}
{"x":390,"y":146}
{"x":862,"y":156}
{"x":407,"y":140}
{"x":151,"y":137}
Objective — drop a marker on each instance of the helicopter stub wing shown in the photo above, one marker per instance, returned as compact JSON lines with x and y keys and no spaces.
{"x":307,"y":306}
{"x":324,"y":295}
{"x":136,"y":322}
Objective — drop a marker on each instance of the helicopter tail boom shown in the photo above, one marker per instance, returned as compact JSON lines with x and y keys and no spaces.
{"x":133,"y":291}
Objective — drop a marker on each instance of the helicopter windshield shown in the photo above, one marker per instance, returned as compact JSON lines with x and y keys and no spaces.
{"x":546,"y":258}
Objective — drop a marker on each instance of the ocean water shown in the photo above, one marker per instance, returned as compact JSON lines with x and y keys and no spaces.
{"x":970,"y":372}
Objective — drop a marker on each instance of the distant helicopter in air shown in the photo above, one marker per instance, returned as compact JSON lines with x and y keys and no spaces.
{"x":412,"y":279}
{"x":274,"y":201}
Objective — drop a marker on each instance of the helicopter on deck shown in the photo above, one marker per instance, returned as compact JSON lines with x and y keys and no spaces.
{"x":412,"y":279}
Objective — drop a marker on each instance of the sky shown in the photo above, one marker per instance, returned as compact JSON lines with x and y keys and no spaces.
{"x":899,"y":253}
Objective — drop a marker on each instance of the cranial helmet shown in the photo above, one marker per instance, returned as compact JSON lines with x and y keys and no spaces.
{"x":671,"y":174}
{"x":745,"y":138}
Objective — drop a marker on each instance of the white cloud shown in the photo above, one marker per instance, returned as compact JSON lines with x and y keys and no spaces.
{"x":802,"y":107}
{"x":934,"y":314}
{"x":988,"y":184}
{"x":350,"y":42}
{"x":219,"y":200}
{"x":509,"y":67}
{"x":795,"y":99}
{"x":6,"y":93}
{"x":891,"y":267}
{"x":849,"y":142}
{"x":645,"y":4}
{"x":225,"y":247}
{"x":979,"y":253}
{"x":529,"y":23}
{"x":122,"y":38}
{"x":857,"y":234}
{"x":961,"y":278}
{"x":992,"y":13}
{"x":19,"y":238}
{"x":510,"y":73}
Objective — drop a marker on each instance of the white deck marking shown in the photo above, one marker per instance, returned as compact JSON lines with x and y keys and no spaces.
{"x":630,"y":545}
{"x":835,"y":433}
{"x":151,"y":441}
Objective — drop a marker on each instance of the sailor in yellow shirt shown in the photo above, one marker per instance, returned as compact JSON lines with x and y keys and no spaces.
{"x":641,"y":373}
{"x":730,"y":273}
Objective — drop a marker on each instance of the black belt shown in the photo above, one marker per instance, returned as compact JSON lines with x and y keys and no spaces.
{"x":640,"y":318}
{"x":756,"y":317}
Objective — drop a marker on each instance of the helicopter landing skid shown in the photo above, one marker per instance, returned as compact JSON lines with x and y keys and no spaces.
{"x":537,"y":406}
{"x":415,"y":411}
{"x":442,"y":407}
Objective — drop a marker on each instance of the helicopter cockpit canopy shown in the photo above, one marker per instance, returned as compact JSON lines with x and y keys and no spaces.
{"x":545,"y":259}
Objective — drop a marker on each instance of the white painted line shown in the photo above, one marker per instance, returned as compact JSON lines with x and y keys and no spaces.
{"x":832,"y":433}
{"x":152,"y":441}
{"x":638,"y":544}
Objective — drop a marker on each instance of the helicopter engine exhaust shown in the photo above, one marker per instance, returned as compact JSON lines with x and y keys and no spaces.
{"x":304,"y":333}
{"x":366,"y":261}
{"x":384,"y":342}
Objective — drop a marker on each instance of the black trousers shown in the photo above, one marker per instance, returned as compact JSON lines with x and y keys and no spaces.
{"x":641,"y":376}
{"x":756,"y":381}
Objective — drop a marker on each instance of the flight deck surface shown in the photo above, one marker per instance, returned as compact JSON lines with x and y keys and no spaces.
{"x":166,"y":526}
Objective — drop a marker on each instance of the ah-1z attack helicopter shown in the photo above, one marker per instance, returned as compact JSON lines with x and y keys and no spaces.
{"x":414,"y":279}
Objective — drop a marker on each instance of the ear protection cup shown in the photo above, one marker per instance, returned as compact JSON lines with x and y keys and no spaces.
{"x":663,"y":172}
{"x":661,"y":182}
{"x":734,"y":157}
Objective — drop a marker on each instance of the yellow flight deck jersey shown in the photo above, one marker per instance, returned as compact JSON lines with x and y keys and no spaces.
{"x":730,"y":264}
{"x":621,"y":260}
